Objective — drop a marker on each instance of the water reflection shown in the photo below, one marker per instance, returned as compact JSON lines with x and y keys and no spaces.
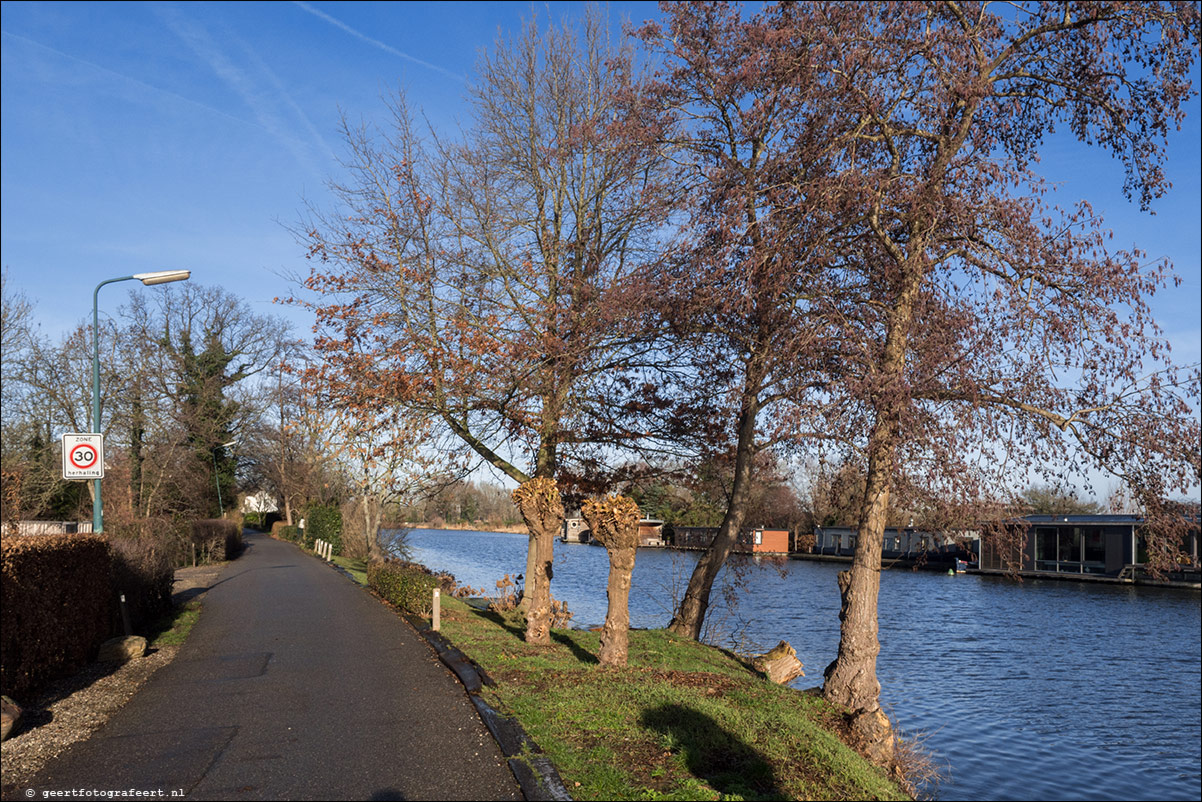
{"x":1048,"y":690}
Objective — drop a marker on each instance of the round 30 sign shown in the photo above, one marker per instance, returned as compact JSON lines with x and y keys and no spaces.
{"x":83,"y":456}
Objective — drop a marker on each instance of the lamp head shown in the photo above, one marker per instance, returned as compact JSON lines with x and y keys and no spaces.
{"x":163,"y":276}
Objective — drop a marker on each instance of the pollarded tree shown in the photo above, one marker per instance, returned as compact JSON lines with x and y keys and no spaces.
{"x":614,"y":523}
{"x":479,"y":282}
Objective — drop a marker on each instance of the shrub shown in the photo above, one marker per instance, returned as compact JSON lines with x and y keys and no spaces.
{"x":324,"y":522}
{"x":283,"y":531}
{"x":143,"y":572}
{"x":57,"y":606}
{"x":216,"y":539}
{"x":408,"y":586}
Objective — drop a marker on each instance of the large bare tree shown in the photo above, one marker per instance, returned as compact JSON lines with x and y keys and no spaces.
{"x":477,"y":279}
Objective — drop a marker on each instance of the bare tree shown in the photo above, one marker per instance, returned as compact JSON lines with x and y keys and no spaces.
{"x":478,"y":281}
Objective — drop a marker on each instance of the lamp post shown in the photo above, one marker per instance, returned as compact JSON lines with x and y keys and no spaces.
{"x":217,"y":479}
{"x":158,"y":277}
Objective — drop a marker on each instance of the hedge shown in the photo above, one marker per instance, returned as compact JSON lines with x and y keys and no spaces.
{"x":217,"y":539}
{"x":59,"y":595}
{"x":143,"y":572}
{"x":283,"y":531}
{"x":323,"y":522}
{"x":408,"y":586}
{"x":57,"y":605}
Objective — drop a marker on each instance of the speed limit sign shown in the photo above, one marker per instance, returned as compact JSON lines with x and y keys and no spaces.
{"x":83,"y":456}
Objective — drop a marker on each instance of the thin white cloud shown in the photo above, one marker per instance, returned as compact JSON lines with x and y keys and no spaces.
{"x":376,"y":42}
{"x":263,"y":104}
{"x":134,"y":81}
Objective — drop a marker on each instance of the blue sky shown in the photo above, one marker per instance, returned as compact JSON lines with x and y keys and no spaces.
{"x":147,"y":136}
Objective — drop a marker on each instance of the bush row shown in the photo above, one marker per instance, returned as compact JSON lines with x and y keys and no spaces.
{"x":321,"y":522}
{"x":199,"y":543}
{"x":57,"y":605}
{"x":219,"y":539}
{"x":62,"y":593}
{"x":407,"y":585}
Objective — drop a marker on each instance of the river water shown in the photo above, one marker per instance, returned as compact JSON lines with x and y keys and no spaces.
{"x":1040,"y":690}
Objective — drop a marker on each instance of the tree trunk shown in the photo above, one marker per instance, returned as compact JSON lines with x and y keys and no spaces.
{"x":851,"y":679}
{"x":693,"y":607}
{"x":541,"y":508}
{"x":614,"y":523}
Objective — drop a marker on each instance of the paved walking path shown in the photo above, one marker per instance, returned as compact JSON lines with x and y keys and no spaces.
{"x":294,"y":684}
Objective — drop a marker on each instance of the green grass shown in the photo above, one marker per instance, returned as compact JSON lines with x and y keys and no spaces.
{"x":356,"y":568}
{"x":173,"y":628}
{"x":681,"y":721}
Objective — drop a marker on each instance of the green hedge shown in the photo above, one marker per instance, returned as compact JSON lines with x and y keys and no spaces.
{"x":56,"y":609}
{"x":410,"y":587}
{"x":282,"y":531}
{"x":324,"y":522}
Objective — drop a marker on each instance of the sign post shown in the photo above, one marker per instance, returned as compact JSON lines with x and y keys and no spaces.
{"x":83,"y":456}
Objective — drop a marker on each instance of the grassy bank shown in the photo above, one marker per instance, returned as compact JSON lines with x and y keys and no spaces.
{"x":357,"y":568}
{"x":682,"y":721}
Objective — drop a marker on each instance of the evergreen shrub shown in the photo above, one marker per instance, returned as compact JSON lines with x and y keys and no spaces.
{"x":324,"y":522}
{"x":408,"y":586}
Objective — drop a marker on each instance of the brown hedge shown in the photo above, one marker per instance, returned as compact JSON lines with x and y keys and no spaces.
{"x":217,"y":538}
{"x":143,"y":572}
{"x":55,"y":606}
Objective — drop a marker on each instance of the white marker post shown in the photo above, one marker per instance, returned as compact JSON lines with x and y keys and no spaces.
{"x":437,"y":618}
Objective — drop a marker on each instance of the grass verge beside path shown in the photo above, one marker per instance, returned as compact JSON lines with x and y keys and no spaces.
{"x":356,"y":568}
{"x":682,"y":721}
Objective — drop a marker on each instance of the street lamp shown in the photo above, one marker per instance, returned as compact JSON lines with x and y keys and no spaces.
{"x":216,"y":479}
{"x":158,"y":277}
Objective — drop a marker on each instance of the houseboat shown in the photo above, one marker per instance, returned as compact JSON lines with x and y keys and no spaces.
{"x":651,"y":532}
{"x":750,"y":541}
{"x":906,"y":544}
{"x":1098,"y":547}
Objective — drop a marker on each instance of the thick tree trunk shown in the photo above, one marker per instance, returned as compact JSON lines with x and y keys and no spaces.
{"x":541,"y":508}
{"x":690,"y":616}
{"x":614,"y":523}
{"x":851,"y":679}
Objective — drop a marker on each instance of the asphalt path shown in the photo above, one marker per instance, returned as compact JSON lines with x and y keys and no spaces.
{"x":294,"y":684}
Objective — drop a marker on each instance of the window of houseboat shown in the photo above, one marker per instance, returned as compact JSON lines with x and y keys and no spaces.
{"x":1094,"y":545}
{"x":1046,"y":555}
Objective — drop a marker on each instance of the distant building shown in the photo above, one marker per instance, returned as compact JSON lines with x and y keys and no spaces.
{"x":260,"y":501}
{"x":1096,"y":545}
{"x":899,"y":542}
{"x":750,"y":541}
{"x":575,"y":530}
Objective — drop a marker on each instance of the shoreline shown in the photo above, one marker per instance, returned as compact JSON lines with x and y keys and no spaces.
{"x":477,"y":526}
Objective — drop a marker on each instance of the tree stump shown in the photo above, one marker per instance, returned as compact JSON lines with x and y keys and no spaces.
{"x":541,"y":508}
{"x":779,"y":664}
{"x":614,"y":523}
